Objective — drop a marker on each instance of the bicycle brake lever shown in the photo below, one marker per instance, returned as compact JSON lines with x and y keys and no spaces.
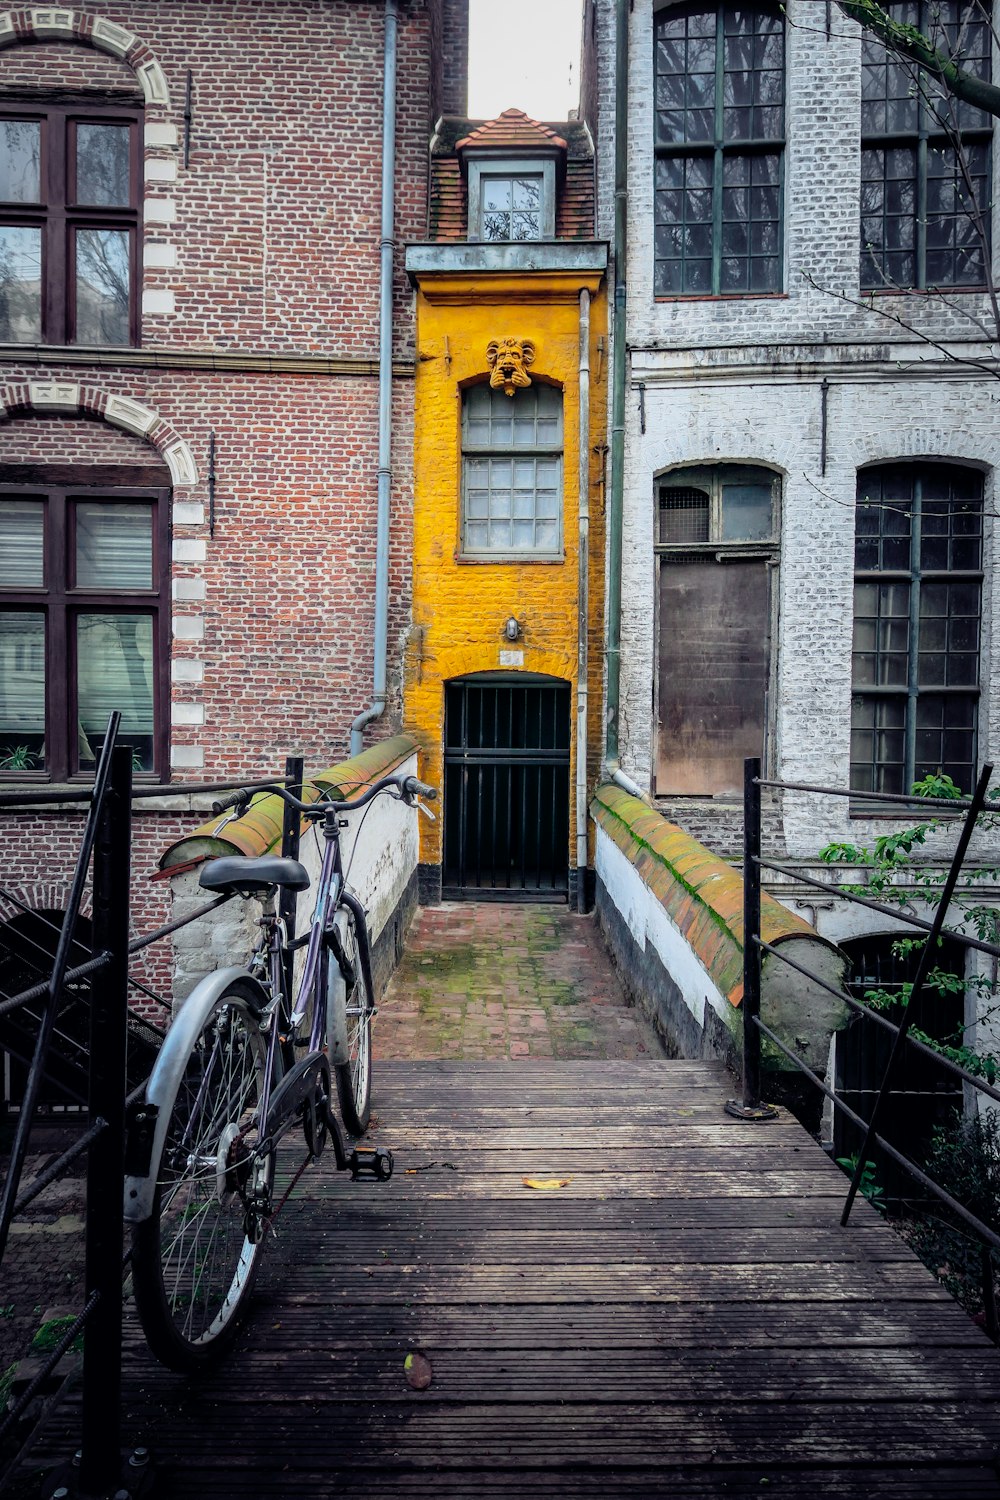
{"x":425,"y":810}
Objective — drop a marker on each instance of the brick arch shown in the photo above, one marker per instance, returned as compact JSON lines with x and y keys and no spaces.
{"x":62,"y":398}
{"x":926,"y":443}
{"x":40,"y":895}
{"x":57,"y":23}
{"x":460,"y":661}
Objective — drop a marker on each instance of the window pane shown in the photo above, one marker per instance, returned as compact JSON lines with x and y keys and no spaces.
{"x":746,"y":512}
{"x":102,"y":165}
{"x":103,"y":277}
{"x":21,"y":562}
{"x":20,"y":157}
{"x":114,"y":546}
{"x":20,"y":284}
{"x":22,"y":691}
{"x":114,"y":656}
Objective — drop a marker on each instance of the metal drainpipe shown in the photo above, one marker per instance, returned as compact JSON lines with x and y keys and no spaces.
{"x":387,"y":245}
{"x":583,"y":604}
{"x":616,"y":493}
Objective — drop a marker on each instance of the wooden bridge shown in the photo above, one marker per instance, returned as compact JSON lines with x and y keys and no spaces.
{"x":684,"y":1317}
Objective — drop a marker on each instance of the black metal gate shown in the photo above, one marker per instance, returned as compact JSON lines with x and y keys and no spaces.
{"x":506,"y":789}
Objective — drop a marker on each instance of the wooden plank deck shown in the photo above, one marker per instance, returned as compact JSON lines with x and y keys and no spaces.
{"x":685,"y":1318}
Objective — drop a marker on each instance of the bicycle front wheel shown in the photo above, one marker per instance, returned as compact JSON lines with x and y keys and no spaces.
{"x":194,"y":1261}
{"x":351,"y":1008}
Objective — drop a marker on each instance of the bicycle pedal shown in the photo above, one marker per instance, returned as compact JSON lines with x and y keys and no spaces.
{"x":375,"y":1160}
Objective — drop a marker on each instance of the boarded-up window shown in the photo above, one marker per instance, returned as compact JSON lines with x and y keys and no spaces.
{"x":715,"y":556}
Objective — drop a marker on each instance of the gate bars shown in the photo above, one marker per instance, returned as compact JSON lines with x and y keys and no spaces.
{"x":99,"y":1467}
{"x":754,"y":1028}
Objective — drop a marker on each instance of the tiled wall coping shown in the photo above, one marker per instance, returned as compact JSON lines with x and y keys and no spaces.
{"x":701,"y":894}
{"x":259,"y":830}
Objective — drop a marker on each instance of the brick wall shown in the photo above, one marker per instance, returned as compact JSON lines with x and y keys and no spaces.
{"x":264,"y":246}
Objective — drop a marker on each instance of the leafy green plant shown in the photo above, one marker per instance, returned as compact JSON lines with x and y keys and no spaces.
{"x":869,"y":1187}
{"x":16,"y":758}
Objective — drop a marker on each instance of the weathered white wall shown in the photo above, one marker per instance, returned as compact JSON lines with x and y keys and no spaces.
{"x":652,"y":928}
{"x":740,"y":379}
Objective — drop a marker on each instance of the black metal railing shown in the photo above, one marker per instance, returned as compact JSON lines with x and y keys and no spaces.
{"x":108,"y":1070}
{"x":756,"y":1029}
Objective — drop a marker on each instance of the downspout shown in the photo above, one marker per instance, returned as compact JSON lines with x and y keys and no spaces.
{"x":616,"y":494}
{"x":386,"y":245}
{"x":583,"y":604}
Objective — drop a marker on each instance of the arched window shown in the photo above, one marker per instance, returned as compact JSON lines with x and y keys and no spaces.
{"x":84,"y":619}
{"x":917,"y":603}
{"x":716,"y":548}
{"x":719,"y":140}
{"x":512,"y":493}
{"x":925,"y":157}
{"x":70,"y":209}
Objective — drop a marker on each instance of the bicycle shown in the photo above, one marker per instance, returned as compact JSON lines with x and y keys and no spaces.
{"x":229,"y":1083}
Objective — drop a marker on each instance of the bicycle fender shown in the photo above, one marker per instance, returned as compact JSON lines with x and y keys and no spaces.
{"x":161,"y":1089}
{"x":336,"y":1020}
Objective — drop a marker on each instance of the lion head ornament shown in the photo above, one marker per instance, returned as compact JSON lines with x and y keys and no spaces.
{"x":508,"y":360}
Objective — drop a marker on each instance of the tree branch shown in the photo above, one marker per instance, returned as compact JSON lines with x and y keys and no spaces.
{"x":907,"y":42}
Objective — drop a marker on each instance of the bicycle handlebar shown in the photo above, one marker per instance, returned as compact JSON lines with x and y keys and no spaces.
{"x":408,"y":788}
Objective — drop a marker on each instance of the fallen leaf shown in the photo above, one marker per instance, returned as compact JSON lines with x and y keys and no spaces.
{"x":418,"y":1371}
{"x":545,"y":1184}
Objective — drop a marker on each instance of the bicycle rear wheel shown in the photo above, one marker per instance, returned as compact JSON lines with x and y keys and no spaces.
{"x":351,"y":1008}
{"x":195,"y":1260}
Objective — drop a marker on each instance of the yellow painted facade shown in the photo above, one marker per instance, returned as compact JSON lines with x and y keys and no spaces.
{"x":460,"y":607}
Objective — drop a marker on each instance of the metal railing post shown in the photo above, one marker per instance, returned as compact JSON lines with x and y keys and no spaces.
{"x":751,"y":932}
{"x":100,"y":1465}
{"x":290,"y":827}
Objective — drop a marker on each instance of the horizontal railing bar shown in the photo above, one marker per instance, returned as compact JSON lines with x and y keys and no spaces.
{"x":32,"y":799}
{"x":178,"y":789}
{"x":38,"y":991}
{"x":935,"y":1188}
{"x":152,"y":937}
{"x":980,"y":944}
{"x":195,"y":789}
{"x":953,"y":804}
{"x":866,"y":1010}
{"x":55,"y":1168}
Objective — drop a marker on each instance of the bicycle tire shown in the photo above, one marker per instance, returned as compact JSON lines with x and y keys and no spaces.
{"x":347,"y":987}
{"x":195,"y":1259}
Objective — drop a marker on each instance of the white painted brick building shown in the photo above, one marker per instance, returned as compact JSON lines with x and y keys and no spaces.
{"x":803,"y":382}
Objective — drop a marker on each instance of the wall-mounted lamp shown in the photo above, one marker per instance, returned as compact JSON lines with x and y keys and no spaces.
{"x":512,"y":629}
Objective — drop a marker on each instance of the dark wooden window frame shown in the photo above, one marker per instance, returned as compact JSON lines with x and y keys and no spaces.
{"x":59,"y":600}
{"x":711,"y":478}
{"x":915,"y":577}
{"x":59,"y":217}
{"x":719,"y":150}
{"x":927,"y":134}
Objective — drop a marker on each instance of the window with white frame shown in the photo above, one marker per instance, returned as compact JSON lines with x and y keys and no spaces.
{"x":512,"y":200}
{"x":512,"y":493}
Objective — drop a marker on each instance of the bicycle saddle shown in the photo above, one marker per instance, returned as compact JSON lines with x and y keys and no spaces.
{"x":235,"y":872}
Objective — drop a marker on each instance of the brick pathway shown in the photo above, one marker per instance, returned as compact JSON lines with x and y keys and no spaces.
{"x":484,"y":980}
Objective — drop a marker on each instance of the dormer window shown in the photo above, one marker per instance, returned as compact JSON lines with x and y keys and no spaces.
{"x":511,"y":207}
{"x":512,"y":200}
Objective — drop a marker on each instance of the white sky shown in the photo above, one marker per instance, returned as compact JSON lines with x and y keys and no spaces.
{"x":524,"y":54}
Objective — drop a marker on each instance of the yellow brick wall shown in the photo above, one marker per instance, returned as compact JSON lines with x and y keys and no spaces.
{"x":459,"y":608}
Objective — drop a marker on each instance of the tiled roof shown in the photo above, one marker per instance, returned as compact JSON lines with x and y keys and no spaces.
{"x":575,"y":194}
{"x":512,"y":129}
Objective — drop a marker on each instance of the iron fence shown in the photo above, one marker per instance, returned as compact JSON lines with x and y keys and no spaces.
{"x":107,"y":1071}
{"x":756,"y":1029}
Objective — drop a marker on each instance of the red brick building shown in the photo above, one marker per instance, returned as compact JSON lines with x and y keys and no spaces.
{"x":192,"y":229}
